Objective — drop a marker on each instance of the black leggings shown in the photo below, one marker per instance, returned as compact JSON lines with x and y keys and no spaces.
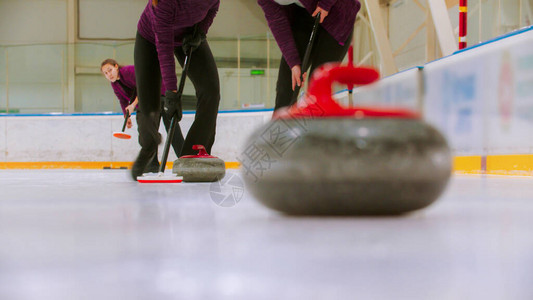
{"x":325,"y":49}
{"x":203,"y":74}
{"x":177,"y":139}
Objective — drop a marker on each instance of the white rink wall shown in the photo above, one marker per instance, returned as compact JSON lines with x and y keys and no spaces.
{"x":403,"y":89}
{"x":88,"y":138}
{"x":481,"y":98}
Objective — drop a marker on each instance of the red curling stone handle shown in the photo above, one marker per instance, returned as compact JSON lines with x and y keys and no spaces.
{"x":319,"y":102}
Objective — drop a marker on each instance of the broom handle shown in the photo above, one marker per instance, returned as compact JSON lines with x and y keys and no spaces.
{"x":126,"y":120}
{"x":174,"y":120}
{"x":305,"y":63}
{"x":350,"y":86}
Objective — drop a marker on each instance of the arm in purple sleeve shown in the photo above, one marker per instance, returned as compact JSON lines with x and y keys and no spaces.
{"x":208,"y":20}
{"x":127,"y":75}
{"x":326,"y":4}
{"x":124,"y":101}
{"x":278,"y":22}
{"x":164,"y":15}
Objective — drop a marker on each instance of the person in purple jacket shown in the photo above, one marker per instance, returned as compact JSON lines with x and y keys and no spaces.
{"x":165,"y":30}
{"x":291,"y":23}
{"x":122,"y":80}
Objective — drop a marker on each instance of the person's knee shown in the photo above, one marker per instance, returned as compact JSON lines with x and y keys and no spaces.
{"x":149,"y":136}
{"x":209,"y":93}
{"x":149,"y":141}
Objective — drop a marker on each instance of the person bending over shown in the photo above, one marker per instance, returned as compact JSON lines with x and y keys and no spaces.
{"x":291,"y":23}
{"x":123,"y":82}
{"x":166,"y":30}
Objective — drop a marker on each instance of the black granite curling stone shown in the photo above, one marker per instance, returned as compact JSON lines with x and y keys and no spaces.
{"x":199,"y":168}
{"x":318,"y":158}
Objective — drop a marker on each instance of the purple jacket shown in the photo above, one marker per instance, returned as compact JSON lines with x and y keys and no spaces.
{"x":165,"y":25}
{"x":339,"y":22}
{"x":127,"y":77}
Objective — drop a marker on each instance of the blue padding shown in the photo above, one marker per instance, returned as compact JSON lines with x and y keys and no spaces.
{"x":510,"y":34}
{"x":120,"y":114}
{"x":60,"y":114}
{"x":244,"y":110}
{"x":403,"y":71}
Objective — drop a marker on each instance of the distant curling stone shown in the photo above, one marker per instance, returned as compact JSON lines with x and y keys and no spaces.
{"x":200,"y":168}
{"x":318,"y":158}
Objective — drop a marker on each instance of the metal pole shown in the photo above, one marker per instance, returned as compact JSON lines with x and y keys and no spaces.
{"x":350,"y":86}
{"x":7,"y":80}
{"x":239,"y":72}
{"x":63,"y":81}
{"x":72,"y":30}
{"x":115,"y":57}
{"x":480,"y":21}
{"x":499,"y":17}
{"x":463,"y":21}
{"x":268,"y":70}
{"x":520,"y":12}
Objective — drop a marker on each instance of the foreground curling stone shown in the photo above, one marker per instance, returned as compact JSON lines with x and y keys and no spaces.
{"x":199,"y":168}
{"x":318,"y":158}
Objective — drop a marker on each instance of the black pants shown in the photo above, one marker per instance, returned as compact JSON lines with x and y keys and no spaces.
{"x":325,"y":49}
{"x":203,"y":74}
{"x":177,"y":139}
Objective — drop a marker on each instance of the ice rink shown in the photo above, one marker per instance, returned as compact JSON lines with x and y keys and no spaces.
{"x":95,"y":234}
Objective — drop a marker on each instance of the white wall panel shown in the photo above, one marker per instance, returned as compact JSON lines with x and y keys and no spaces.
{"x":115,"y":19}
{"x":33,"y":21}
{"x":118,"y":19}
{"x":482,"y":98}
{"x":455,"y":97}
{"x":2,"y":139}
{"x":510,"y":111}
{"x":400,"y":90}
{"x":233,"y":130}
{"x":89,"y":138}
{"x":76,"y":138}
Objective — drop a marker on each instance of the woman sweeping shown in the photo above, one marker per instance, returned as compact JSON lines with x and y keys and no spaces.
{"x":122,"y":80}
{"x":166,"y":30}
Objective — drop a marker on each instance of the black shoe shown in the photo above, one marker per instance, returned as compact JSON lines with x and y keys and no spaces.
{"x":141,"y":163}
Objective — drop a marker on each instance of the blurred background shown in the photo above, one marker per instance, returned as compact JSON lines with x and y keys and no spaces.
{"x":51,"y":50}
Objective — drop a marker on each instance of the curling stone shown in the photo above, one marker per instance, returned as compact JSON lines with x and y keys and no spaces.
{"x":199,"y":168}
{"x":319,"y":158}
